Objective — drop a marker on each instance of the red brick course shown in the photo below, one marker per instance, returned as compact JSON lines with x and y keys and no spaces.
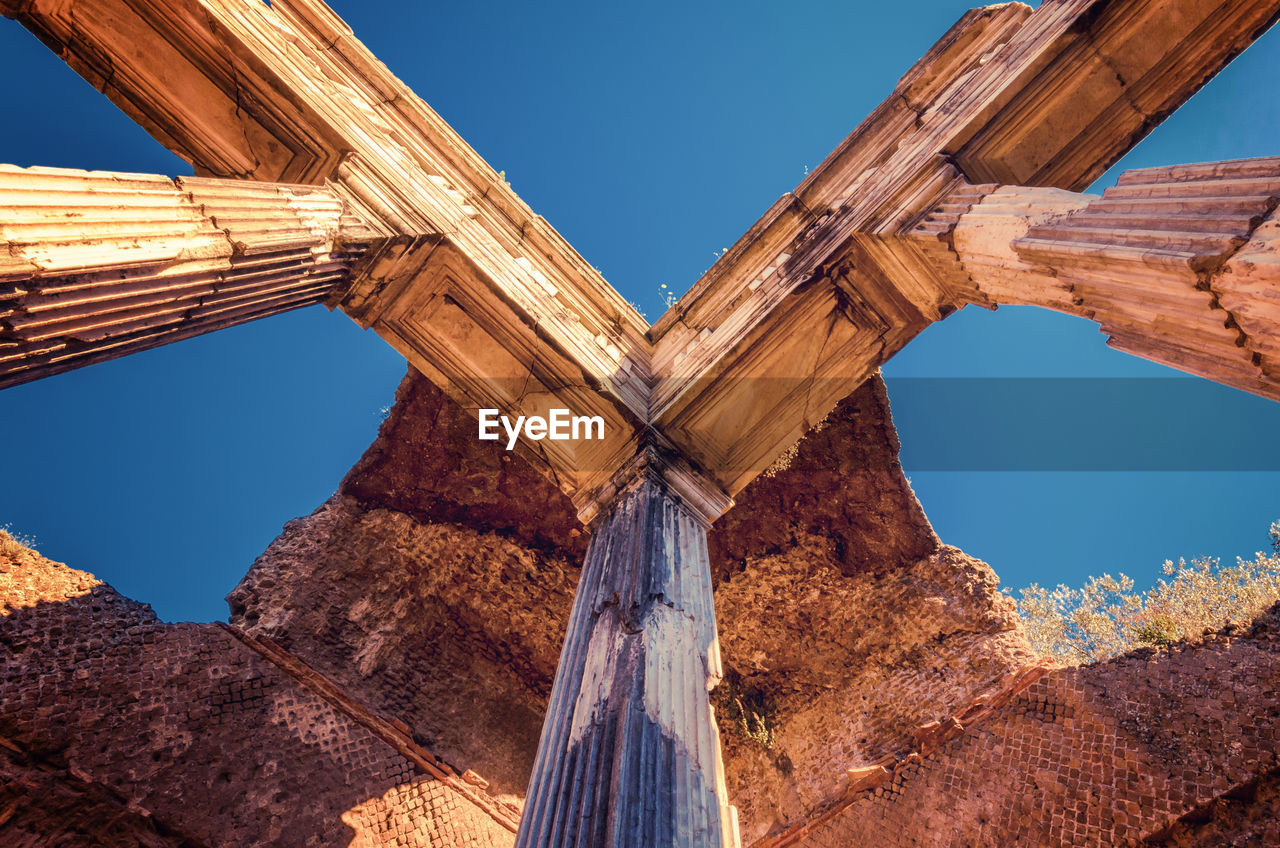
{"x":186,"y":730}
{"x":1137,"y":750}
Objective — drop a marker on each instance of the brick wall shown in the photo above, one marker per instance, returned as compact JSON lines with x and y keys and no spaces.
{"x":880,"y":655}
{"x":437,"y":582}
{"x":1174,"y":747}
{"x":1246,"y":817}
{"x":189,"y":736}
{"x":452,"y":630}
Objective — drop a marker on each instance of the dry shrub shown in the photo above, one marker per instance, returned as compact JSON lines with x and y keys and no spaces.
{"x":1106,"y":617}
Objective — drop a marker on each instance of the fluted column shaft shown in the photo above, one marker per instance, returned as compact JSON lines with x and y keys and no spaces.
{"x":1178,"y":265}
{"x":630,"y":753}
{"x":96,"y":265}
{"x":1151,"y":261}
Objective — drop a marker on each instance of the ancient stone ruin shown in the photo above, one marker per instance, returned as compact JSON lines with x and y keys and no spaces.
{"x":728,"y":620}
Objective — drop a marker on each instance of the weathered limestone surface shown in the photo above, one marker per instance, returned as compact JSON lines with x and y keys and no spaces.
{"x":822,"y":290}
{"x":486,"y":299}
{"x":95,"y":265}
{"x":437,"y":308}
{"x":470,"y":285}
{"x":183,"y":735}
{"x":1249,"y":288}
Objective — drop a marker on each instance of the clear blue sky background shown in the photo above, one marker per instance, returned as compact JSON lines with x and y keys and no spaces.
{"x":651,"y":136}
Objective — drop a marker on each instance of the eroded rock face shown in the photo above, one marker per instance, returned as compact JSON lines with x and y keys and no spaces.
{"x":436,"y":585}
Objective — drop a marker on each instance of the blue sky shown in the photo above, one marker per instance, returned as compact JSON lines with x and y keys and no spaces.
{"x":651,"y":136}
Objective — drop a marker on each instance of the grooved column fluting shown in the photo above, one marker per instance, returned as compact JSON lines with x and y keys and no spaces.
{"x":96,"y":265}
{"x":1180,"y":265}
{"x":630,"y":754}
{"x":1154,"y":262}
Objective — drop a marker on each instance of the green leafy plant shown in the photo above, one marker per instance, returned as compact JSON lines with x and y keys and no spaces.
{"x":744,"y":710}
{"x":1160,"y":631}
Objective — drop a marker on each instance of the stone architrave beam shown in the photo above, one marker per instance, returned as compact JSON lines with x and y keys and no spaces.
{"x":439,"y":309}
{"x":95,"y":265}
{"x":822,"y":289}
{"x":1178,"y":265}
{"x":799,"y":312}
{"x":284,"y":92}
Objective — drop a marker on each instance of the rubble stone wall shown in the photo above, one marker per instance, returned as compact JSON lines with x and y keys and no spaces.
{"x":454,"y":631}
{"x":868,"y":660}
{"x":844,"y":623}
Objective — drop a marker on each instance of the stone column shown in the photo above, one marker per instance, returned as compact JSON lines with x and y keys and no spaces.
{"x":1175,"y":264}
{"x":630,"y":753}
{"x":95,"y":265}
{"x":1155,"y":262}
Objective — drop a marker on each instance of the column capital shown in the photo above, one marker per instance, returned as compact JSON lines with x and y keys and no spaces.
{"x":657,"y":461}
